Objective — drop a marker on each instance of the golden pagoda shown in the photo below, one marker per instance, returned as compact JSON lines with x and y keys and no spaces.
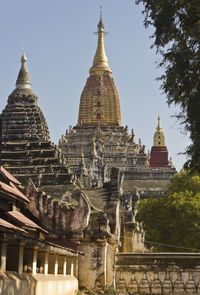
{"x":99,"y":103}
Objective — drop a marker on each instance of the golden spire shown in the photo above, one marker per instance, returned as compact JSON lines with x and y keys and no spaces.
{"x":159,"y":137}
{"x":159,"y":128}
{"x":99,"y":103}
{"x":100,"y":62}
{"x":23,"y":79}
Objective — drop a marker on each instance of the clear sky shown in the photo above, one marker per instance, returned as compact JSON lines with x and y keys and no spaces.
{"x":60,"y":45}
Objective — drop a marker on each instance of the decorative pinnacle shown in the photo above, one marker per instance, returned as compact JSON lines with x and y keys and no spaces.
{"x":100,"y":62}
{"x":23,"y":57}
{"x":159,"y":128}
{"x":100,"y":24}
{"x":23,"y":79}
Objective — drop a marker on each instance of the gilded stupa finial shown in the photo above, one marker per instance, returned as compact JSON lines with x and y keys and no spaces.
{"x":23,"y":79}
{"x":159,"y":128}
{"x":100,"y":24}
{"x":100,"y":62}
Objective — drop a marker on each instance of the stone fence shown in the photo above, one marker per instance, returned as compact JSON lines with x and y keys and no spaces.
{"x":158,"y":273}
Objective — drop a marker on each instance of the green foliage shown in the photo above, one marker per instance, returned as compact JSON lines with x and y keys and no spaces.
{"x":184,"y":181}
{"x":177,"y":40}
{"x":174,"y":220}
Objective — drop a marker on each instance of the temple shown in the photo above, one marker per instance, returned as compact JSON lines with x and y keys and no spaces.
{"x":82,"y":192}
{"x":66,"y":212}
{"x":99,"y":141}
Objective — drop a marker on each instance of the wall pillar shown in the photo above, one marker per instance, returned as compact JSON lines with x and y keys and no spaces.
{"x":34,"y":265}
{"x":21,"y":257}
{"x":131,"y":231}
{"x":65,"y":266}
{"x":95,"y":263}
{"x":72,"y":267}
{"x":56,"y":265}
{"x":46,"y":263}
{"x":110,"y":263}
{"x":4,"y":244}
{"x":105,"y":263}
{"x":76,"y":267}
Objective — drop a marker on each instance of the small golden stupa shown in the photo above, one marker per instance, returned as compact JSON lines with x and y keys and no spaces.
{"x":159,"y":137}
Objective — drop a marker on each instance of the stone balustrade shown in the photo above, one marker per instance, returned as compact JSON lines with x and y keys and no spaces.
{"x":158,"y":273}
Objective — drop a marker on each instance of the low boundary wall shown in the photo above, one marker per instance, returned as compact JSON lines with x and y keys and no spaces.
{"x":158,"y":273}
{"x":13,"y":283}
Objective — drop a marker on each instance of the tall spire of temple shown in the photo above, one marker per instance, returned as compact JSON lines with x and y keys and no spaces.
{"x":100,"y":62}
{"x":23,"y":79}
{"x":99,"y":103}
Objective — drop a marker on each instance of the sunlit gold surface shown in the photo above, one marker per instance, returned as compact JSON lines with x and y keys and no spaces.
{"x":159,"y":137}
{"x":100,"y":62}
{"x":99,"y":103}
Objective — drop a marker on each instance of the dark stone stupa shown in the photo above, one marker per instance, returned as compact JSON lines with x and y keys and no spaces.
{"x":26,"y":149}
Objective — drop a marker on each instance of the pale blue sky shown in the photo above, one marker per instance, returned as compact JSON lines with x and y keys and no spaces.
{"x":60,"y":45}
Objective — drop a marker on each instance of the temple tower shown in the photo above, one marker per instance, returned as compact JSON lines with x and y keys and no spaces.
{"x":159,"y":152}
{"x":22,"y":119}
{"x":26,"y":149}
{"x":99,"y":103}
{"x":99,"y":134}
{"x":101,"y":142}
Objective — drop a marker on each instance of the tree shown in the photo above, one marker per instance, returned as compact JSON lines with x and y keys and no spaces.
{"x":177,"y":40}
{"x":173,"y":220}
